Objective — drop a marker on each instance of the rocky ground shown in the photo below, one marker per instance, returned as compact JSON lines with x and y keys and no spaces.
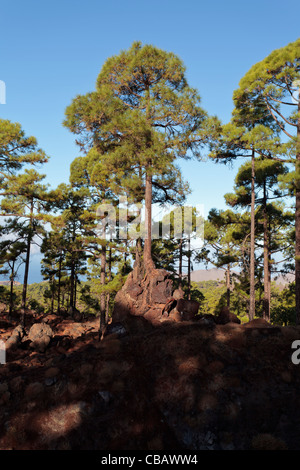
{"x":175,"y":386}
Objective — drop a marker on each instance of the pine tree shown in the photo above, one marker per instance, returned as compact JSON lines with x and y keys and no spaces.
{"x":142,"y":116}
{"x":26,"y":200}
{"x":11,"y":251}
{"x":251,"y":133}
{"x":270,"y":219}
{"x":16,"y":150}
{"x":222,"y":244}
{"x":71,"y":205}
{"x":275,"y":82}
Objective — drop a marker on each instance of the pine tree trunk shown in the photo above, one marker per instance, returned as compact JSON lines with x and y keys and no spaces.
{"x":252,"y":241}
{"x":189,"y":268}
{"x":125,"y":256}
{"x":180,"y":263}
{"x":59,"y":285}
{"x":72,"y":280}
{"x":139,"y":267}
{"x":26,"y":272}
{"x":109,"y":279}
{"x":228,"y":286}
{"x":52,"y":295}
{"x":102,"y":281}
{"x":267,"y":286}
{"x":11,"y":294}
{"x":297,"y":221}
{"x":138,"y":252}
{"x":148,"y":261}
{"x":75,"y":290}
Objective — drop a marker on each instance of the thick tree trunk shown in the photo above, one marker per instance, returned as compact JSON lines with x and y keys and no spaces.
{"x":252,"y":242}
{"x":267,"y":286}
{"x":148,"y":261}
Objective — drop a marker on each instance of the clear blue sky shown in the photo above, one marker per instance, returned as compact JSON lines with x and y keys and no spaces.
{"x":52,"y":51}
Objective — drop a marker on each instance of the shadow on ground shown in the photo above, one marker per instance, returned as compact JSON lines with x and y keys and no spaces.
{"x":177,"y":386}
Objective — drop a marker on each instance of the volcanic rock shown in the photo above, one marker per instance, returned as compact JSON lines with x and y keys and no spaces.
{"x":40,"y":335}
{"x":144,"y":295}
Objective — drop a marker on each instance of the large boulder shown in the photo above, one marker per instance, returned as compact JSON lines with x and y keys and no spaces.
{"x":140,"y":294}
{"x":40,"y":335}
{"x":15,"y":338}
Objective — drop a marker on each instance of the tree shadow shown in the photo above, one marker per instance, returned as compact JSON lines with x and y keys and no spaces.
{"x":178,"y":386}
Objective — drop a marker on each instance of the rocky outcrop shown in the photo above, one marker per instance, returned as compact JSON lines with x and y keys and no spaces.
{"x":143,"y":296}
{"x":153,"y":298}
{"x":40,"y":335}
{"x":15,"y":338}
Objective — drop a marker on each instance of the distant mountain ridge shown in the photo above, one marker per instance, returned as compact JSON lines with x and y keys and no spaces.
{"x":7,"y":283}
{"x":215,"y":274}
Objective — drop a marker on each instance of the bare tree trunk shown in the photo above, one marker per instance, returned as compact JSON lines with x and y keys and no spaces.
{"x":252,"y":242}
{"x":180,"y":263}
{"x":75,"y":290}
{"x":27,"y":259}
{"x":59,"y":285}
{"x":189,"y":268}
{"x":148,"y":261}
{"x":72,"y":280}
{"x":108,"y":294}
{"x":102,"y":281}
{"x":11,"y":294}
{"x":266,"y":258}
{"x":52,"y":295}
{"x":228,"y":286}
